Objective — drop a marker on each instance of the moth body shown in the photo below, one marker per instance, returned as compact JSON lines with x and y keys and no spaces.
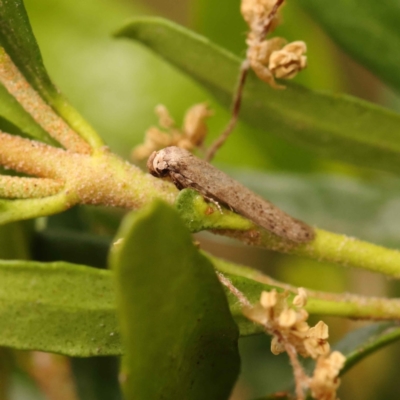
{"x":189,"y":171}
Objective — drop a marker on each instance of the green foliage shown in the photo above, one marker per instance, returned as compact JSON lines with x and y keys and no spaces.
{"x":111,"y":83}
{"x":364,"y":341}
{"x":174,"y":317}
{"x":75,"y":306}
{"x":17,"y":38}
{"x":333,"y":125}
{"x":366,"y":29}
{"x":179,"y":327}
{"x":57,"y":307}
{"x":16,"y":210}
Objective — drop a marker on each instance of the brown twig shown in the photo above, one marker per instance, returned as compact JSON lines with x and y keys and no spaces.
{"x":270,"y":18}
{"x":300,"y":377}
{"x":237,"y":100}
{"x":235,"y":113}
{"x":243,"y":300}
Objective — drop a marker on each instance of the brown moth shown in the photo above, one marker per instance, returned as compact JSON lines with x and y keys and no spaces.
{"x":189,"y":171}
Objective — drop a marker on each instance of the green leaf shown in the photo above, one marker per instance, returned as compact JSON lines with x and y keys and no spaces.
{"x":336,"y":126}
{"x":368,"y":30}
{"x":110,"y":82}
{"x":208,"y":19}
{"x":57,"y":307}
{"x":63,"y":308}
{"x":364,"y":341}
{"x":175,"y":320}
{"x":71,"y":308}
{"x":17,"y":210}
{"x":17,"y":38}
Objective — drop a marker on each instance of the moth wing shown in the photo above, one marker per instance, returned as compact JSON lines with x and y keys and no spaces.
{"x":213,"y":183}
{"x":261,"y":211}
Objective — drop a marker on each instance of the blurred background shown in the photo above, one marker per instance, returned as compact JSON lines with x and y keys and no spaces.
{"x":116,"y":84}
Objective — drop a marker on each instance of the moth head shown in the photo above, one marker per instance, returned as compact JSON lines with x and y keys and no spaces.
{"x":157,"y":165}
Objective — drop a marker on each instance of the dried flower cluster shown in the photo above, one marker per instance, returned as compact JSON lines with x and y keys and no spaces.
{"x":292,"y":334}
{"x":272,"y":58}
{"x":189,"y":137}
{"x":325,"y":381}
{"x":274,"y":313}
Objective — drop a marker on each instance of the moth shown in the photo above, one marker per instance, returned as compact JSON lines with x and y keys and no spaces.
{"x":188,"y":171}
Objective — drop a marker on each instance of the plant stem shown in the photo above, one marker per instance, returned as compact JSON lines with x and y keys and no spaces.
{"x":27,"y":188}
{"x":42,"y":113}
{"x":98,"y":179}
{"x":252,"y":282}
{"x":327,"y":247}
{"x":244,"y":69}
{"x":104,"y":179}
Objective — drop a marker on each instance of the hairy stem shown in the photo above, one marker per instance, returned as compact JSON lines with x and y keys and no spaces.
{"x":42,"y":113}
{"x":105,"y":179}
{"x":300,"y":376}
{"x":244,"y":69}
{"x":28,"y":188}
{"x":99,"y":179}
{"x":325,"y":247}
{"x":329,"y":247}
{"x":321,"y":303}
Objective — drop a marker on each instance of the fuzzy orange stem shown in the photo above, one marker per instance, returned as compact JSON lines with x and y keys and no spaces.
{"x":42,"y":113}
